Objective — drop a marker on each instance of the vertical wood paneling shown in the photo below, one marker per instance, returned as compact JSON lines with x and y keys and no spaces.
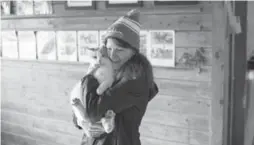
{"x":219,"y":34}
{"x":35,"y":100}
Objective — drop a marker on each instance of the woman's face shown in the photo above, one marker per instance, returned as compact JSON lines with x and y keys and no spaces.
{"x":117,"y":54}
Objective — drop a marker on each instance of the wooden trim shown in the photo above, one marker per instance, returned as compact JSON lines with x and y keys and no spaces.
{"x":235,"y":128}
{"x":219,"y":47}
{"x":186,"y":9}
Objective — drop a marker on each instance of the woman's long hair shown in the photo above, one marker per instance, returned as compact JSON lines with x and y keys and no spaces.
{"x":136,"y":66}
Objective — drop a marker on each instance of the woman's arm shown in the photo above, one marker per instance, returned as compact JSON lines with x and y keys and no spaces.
{"x":119,"y":97}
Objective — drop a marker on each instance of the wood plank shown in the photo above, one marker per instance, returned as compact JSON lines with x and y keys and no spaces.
{"x":152,"y":116}
{"x":39,"y":134}
{"x":250,"y":26}
{"x":147,"y":129}
{"x":186,"y":89}
{"x":186,"y":21}
{"x":11,"y":139}
{"x":164,"y":132}
{"x":76,"y":70}
{"x":152,"y":141}
{"x":199,"y":106}
{"x":192,"y":122}
{"x":59,"y":8}
{"x":199,"y":138}
{"x":218,"y":83}
{"x":31,"y":121}
{"x":18,"y":139}
{"x":62,"y":85}
{"x":193,"y":39}
{"x":181,"y":105}
{"x":153,"y":130}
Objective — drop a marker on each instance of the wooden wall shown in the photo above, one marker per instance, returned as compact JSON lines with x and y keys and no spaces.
{"x":249,"y":126}
{"x":250,"y":29}
{"x":35,"y":109}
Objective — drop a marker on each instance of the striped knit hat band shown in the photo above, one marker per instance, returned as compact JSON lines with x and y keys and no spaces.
{"x":126,"y":28}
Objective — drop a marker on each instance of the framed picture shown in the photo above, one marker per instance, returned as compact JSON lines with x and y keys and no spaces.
{"x":88,"y":42}
{"x":43,"y":7}
{"x":144,"y":40}
{"x":24,"y":7}
{"x":5,"y":8}
{"x":102,"y":34}
{"x":162,"y":48}
{"x":124,"y":3}
{"x":27,"y":45}
{"x":46,"y":45}
{"x":163,"y":2}
{"x":67,"y":45}
{"x":9,"y":44}
{"x":80,"y":4}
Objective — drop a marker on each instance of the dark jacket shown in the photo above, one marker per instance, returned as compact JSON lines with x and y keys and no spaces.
{"x":128,"y":99}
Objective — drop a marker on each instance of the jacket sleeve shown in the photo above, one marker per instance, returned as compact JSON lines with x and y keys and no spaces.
{"x":120,"y":97}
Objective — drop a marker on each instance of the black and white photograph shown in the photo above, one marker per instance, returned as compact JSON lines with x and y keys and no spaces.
{"x":144,"y":42}
{"x":5,"y":8}
{"x":24,"y":7}
{"x":79,"y":3}
{"x":42,"y":7}
{"x":66,"y":45}
{"x":102,"y":34}
{"x":27,"y":45}
{"x":127,"y":72}
{"x":162,"y":47}
{"x":9,"y":44}
{"x":87,"y":41}
{"x":46,"y":45}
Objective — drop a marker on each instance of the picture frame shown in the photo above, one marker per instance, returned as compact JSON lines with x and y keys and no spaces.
{"x":5,"y":8}
{"x":88,"y":42}
{"x":42,"y":7}
{"x":102,"y":34}
{"x":24,"y":7}
{"x":124,"y":3}
{"x":78,"y":4}
{"x":9,"y":42}
{"x":67,"y":46}
{"x":46,"y":45}
{"x":27,"y":45}
{"x":163,"y":2}
{"x":162,"y":48}
{"x":144,"y":42}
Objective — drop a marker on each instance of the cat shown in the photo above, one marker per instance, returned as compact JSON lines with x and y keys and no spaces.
{"x":101,"y":68}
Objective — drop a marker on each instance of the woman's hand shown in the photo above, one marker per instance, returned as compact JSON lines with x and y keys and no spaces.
{"x":91,"y":130}
{"x":95,"y":130}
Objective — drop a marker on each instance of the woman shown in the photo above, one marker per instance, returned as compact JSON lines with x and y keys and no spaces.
{"x":132,"y":89}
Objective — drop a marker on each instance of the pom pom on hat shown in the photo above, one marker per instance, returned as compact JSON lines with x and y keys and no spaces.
{"x":127,"y":28}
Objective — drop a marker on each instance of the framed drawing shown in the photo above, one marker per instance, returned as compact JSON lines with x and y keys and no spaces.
{"x":102,"y":34}
{"x":144,"y":40}
{"x":24,"y":7}
{"x":163,"y":2}
{"x":80,"y":4}
{"x":117,"y":3}
{"x":67,"y":45}
{"x":43,"y":7}
{"x":27,"y":45}
{"x":162,"y":48}
{"x":46,"y":45}
{"x":9,"y":44}
{"x":87,"y":42}
{"x":5,"y":8}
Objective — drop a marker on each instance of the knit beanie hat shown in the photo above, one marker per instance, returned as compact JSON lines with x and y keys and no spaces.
{"x":126,"y":28}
